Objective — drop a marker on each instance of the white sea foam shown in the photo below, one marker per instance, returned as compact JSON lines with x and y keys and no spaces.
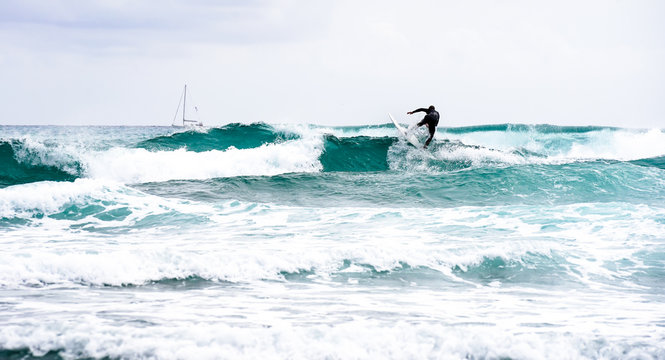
{"x":139,"y":165}
{"x":48,"y":197}
{"x":360,"y":339}
{"x":291,"y":240}
{"x":37,"y":201}
{"x":480,"y":155}
{"x":143,"y":261}
{"x":622,"y":144}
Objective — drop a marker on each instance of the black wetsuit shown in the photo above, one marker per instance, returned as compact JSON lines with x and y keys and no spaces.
{"x":431,"y":119}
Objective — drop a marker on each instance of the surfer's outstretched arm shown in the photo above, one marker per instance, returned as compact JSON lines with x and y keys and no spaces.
{"x":417,"y":110}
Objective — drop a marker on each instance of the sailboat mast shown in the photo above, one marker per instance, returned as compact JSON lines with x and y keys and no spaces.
{"x":184,"y":105}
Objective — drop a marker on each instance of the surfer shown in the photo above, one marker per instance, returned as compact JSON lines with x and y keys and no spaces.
{"x":431,"y":119}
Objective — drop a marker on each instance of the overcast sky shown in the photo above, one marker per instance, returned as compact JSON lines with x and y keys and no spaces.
{"x":121,"y":62}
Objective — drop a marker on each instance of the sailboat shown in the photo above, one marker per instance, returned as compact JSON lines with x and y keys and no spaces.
{"x":185,"y":121}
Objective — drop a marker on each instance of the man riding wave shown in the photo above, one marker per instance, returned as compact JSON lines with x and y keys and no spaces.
{"x":431,"y":119}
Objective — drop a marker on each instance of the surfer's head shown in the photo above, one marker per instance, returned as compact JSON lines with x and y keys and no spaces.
{"x":431,"y":107}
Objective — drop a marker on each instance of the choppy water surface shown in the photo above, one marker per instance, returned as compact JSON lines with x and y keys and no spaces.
{"x":309,"y":242}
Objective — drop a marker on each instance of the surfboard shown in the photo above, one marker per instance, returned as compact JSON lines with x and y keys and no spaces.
{"x":409,"y":137}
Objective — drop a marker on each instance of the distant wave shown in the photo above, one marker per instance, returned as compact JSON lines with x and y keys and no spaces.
{"x":540,"y":128}
{"x":260,"y":149}
{"x":239,"y":136}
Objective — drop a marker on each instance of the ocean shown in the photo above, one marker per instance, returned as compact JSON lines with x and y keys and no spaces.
{"x":294,"y":241}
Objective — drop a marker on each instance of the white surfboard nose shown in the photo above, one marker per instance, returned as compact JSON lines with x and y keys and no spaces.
{"x":406,"y":134}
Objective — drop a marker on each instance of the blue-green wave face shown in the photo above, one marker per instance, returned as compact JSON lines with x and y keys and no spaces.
{"x":239,"y":136}
{"x":656,"y":162}
{"x":358,"y":153}
{"x":20,"y":165}
{"x":532,"y":184}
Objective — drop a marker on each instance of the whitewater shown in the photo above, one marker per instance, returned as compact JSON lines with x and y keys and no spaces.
{"x":310,"y":242}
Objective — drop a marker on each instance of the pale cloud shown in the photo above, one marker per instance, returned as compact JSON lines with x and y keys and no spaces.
{"x":83,"y":25}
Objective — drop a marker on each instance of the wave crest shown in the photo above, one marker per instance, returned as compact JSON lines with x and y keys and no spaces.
{"x":239,"y":136}
{"x":24,"y":161}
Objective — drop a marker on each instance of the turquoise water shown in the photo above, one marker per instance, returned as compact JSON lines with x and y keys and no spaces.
{"x":302,"y":241}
